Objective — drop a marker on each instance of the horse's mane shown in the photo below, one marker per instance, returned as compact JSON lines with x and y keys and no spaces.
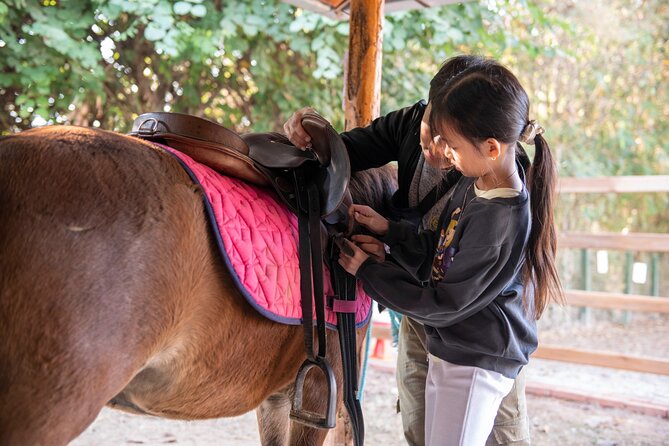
{"x":374,"y":187}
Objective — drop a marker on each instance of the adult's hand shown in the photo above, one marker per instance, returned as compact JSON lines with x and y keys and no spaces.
{"x":352,"y":263}
{"x":372,"y":246}
{"x":368,"y":218}
{"x":294,"y":130}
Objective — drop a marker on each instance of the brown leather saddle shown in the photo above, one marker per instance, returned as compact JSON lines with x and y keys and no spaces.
{"x":260,"y":158}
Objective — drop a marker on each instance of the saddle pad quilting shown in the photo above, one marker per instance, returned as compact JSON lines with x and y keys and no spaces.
{"x":258,"y":239}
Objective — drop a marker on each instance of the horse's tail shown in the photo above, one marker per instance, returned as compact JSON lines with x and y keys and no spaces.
{"x":82,"y":224}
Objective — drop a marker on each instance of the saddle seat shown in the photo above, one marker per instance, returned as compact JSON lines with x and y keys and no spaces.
{"x":266,"y":159}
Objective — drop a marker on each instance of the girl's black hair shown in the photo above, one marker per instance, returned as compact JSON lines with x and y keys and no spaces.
{"x":485,"y":100}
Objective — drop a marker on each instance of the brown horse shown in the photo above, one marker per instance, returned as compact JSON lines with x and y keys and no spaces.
{"x":112,"y":292}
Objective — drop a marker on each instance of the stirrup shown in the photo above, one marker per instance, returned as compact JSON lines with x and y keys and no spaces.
{"x":307,"y":417}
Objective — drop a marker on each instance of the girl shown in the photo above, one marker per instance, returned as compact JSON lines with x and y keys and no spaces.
{"x":482,"y":280}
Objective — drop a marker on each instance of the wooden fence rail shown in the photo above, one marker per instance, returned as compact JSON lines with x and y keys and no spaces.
{"x":621,"y":184}
{"x":612,"y":360}
{"x":615,"y":241}
{"x":617,"y":301}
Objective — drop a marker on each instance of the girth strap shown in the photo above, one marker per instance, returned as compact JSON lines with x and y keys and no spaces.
{"x":344,"y":286}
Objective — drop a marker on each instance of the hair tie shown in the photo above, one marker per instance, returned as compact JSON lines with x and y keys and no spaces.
{"x":531,"y":130}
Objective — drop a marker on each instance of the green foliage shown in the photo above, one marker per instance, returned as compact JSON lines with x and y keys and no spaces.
{"x":596,"y":72}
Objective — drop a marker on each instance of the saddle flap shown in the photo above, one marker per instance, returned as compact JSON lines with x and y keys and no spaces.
{"x":331,"y":152}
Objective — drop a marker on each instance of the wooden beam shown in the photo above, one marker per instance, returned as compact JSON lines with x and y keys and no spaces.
{"x":610,"y":240}
{"x":603,"y":359}
{"x":615,"y":301}
{"x":363,"y":71}
{"x":646,"y":183}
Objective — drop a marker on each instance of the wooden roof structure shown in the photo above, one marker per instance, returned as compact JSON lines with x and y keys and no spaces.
{"x":340,"y":9}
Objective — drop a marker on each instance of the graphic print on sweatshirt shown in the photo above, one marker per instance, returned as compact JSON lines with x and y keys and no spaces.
{"x":445,"y":252}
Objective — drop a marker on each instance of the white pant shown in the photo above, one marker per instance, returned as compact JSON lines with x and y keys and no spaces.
{"x":461,"y":403}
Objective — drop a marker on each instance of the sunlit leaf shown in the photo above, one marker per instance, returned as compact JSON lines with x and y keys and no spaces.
{"x":183,"y":8}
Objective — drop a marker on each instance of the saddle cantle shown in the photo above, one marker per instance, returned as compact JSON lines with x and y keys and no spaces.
{"x":260,"y":158}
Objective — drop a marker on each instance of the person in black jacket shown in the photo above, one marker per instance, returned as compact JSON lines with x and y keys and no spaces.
{"x":424,"y":185}
{"x":490,"y":266}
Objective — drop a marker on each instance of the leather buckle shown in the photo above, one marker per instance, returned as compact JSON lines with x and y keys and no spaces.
{"x":150,"y":131}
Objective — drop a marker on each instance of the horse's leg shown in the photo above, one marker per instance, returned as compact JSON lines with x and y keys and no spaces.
{"x":273,"y":420}
{"x":274,"y":423}
{"x":315,"y":386}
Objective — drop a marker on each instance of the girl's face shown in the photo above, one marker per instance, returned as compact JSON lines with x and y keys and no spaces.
{"x":461,"y":153}
{"x":433,"y":155}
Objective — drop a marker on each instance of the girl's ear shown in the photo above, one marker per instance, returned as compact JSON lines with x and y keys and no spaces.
{"x":492,"y":148}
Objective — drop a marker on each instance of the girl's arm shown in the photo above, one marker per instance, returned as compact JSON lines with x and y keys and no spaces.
{"x":479,"y":273}
{"x":411,"y":249}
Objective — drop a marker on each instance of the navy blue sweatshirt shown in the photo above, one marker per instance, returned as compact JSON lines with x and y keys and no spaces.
{"x":475,"y":314}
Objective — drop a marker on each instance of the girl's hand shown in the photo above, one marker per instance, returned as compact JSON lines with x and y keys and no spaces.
{"x":294,"y":130}
{"x":352,"y":263}
{"x":368,"y":218}
{"x":370,"y":245}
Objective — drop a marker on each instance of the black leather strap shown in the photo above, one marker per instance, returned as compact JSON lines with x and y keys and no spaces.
{"x":311,"y":290}
{"x":310,"y":261}
{"x":344,"y":286}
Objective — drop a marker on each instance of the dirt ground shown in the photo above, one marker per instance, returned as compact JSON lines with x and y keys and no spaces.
{"x":554,"y":421}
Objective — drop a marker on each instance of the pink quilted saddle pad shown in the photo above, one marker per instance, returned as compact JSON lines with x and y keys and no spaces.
{"x":258,"y":239}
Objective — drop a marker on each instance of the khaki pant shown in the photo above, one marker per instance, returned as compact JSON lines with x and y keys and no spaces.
{"x":511,"y":426}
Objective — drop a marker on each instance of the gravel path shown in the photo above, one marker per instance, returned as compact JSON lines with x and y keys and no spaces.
{"x":554,"y":422}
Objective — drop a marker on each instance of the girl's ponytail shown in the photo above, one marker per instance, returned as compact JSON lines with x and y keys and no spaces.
{"x":540,"y":269}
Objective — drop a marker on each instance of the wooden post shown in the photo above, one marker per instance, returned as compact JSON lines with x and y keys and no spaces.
{"x":363,"y":71}
{"x":629,"y":261}
{"x":654,"y":275}
{"x":362,"y":88}
{"x":586,"y":284}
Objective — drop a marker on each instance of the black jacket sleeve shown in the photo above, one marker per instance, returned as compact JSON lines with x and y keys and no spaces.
{"x":383,"y":140}
{"x":478,"y":274}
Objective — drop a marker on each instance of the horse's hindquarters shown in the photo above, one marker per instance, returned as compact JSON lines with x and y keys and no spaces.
{"x":90,"y":285}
